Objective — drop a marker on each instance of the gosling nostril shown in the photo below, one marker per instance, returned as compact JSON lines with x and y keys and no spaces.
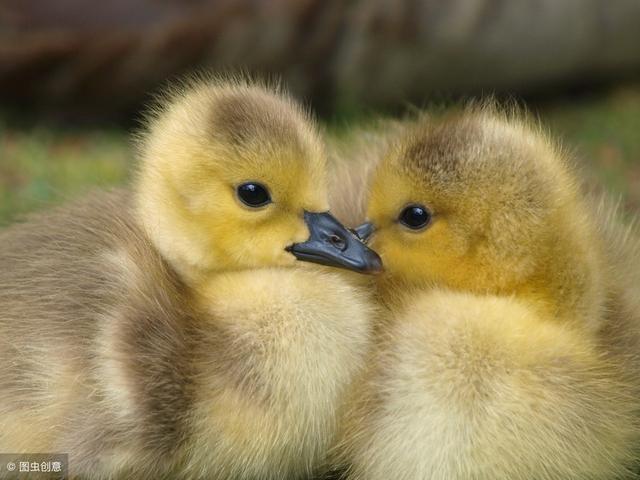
{"x":337,"y":242}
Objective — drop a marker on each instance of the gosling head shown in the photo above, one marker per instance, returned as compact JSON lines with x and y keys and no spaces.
{"x":233,"y":177}
{"x":483,"y":202}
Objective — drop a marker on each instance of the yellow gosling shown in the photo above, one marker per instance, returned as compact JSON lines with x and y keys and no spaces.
{"x":179,"y":329}
{"x":510,"y":348}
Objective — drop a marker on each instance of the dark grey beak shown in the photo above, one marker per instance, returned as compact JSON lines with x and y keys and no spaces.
{"x":332,"y":244}
{"x":365,"y":231}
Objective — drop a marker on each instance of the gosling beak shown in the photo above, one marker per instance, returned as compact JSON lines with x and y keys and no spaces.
{"x":365,"y":231}
{"x":332,"y":244}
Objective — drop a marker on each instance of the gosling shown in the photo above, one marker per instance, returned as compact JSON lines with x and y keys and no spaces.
{"x":510,"y":347}
{"x":181,"y":329}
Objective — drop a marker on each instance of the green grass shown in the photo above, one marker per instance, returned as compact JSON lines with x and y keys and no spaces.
{"x":604,"y":133}
{"x":40,"y":166}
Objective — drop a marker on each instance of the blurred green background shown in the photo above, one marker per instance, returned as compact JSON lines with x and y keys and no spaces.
{"x":43,"y":164}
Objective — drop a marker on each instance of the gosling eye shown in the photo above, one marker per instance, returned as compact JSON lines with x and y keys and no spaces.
{"x":415,"y":216}
{"x":253,"y":194}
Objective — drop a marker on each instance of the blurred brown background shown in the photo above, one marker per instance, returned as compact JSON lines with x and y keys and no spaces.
{"x":74,"y":73}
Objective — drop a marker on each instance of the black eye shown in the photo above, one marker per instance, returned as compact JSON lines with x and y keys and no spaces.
{"x":415,"y":217}
{"x":253,"y":194}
